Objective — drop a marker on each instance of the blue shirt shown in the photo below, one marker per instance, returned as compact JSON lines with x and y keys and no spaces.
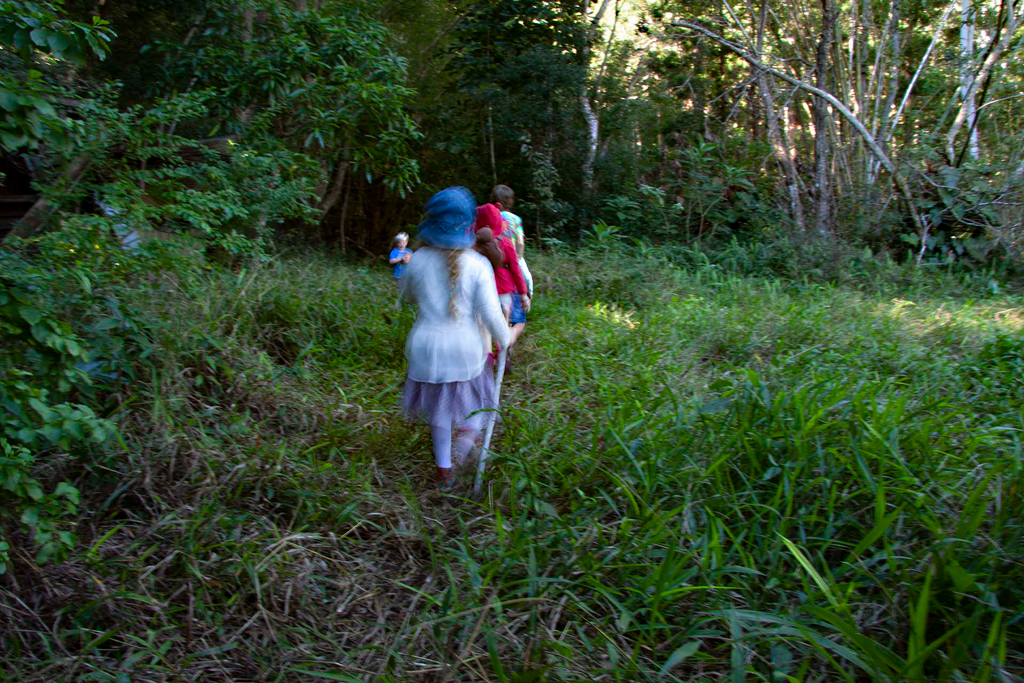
{"x":398,"y":270}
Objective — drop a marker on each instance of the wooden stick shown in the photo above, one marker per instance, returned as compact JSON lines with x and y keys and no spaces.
{"x":490,"y":424}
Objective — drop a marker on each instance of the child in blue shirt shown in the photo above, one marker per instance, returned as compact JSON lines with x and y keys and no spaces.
{"x":399,"y":256}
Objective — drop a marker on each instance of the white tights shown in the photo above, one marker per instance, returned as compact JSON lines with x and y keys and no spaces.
{"x":442,"y":438}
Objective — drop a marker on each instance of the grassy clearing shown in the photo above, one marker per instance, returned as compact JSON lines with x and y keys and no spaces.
{"x":701,"y":476}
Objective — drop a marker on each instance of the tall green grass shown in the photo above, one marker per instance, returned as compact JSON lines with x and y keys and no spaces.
{"x":701,"y":476}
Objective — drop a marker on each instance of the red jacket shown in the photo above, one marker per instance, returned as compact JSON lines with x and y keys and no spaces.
{"x":509,"y":278}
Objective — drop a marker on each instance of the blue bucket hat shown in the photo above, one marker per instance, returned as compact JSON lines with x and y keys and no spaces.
{"x":448,"y":219}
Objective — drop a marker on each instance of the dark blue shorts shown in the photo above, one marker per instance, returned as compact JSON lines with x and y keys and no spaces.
{"x":517,"y":315}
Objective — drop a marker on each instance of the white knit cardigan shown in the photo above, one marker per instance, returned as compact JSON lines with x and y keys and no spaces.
{"x":442,"y":348}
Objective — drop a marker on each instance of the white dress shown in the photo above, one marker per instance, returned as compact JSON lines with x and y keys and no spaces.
{"x":442,"y":348}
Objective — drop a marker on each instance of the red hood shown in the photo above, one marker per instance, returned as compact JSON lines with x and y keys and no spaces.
{"x":489,"y":216}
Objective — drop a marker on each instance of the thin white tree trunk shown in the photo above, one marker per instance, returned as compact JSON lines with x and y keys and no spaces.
{"x":775,"y":134}
{"x":893,"y":84}
{"x":592,"y":131}
{"x":823,"y":217}
{"x":967,"y":94}
{"x":1013,"y":22}
{"x":588,"y":110}
{"x":877,"y":82}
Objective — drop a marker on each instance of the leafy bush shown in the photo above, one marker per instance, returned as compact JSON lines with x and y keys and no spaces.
{"x":720,"y":195}
{"x":28,"y":117}
{"x":42,"y":362}
{"x":646,"y":214}
{"x":323,"y":83}
{"x":23,"y":498}
{"x":143,"y":178}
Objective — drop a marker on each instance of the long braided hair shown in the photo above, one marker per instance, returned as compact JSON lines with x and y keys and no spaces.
{"x":453,"y":279}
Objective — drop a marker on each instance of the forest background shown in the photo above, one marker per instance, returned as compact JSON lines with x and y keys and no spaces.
{"x":891,"y":125}
{"x":766,"y":424}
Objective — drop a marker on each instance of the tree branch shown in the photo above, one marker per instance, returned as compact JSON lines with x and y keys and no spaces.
{"x":869,"y":140}
{"x":917,"y":74}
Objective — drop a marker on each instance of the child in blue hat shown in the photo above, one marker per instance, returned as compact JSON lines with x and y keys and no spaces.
{"x":449,"y":377}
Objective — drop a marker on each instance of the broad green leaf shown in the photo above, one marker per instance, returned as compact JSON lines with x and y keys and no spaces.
{"x":30,"y":314}
{"x":7,"y":100}
{"x":680,"y":653}
{"x":39,"y":37}
{"x":58,"y":43}
{"x":67,"y":490}
{"x":34,"y":491}
{"x":30,"y":516}
{"x":42,"y":409}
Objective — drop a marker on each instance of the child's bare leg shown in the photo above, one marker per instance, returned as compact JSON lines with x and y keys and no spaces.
{"x":466,"y":435}
{"x":463,"y":445}
{"x":516,"y":332}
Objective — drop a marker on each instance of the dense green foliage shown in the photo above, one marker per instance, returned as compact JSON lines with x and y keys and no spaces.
{"x":584,"y":108}
{"x":36,"y":31}
{"x":231,"y":126}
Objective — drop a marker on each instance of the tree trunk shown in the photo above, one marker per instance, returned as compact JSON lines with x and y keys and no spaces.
{"x":588,"y":110}
{"x":344,"y":215}
{"x":38,"y":213}
{"x":781,"y":152}
{"x":1013,"y":22}
{"x":330,"y":197}
{"x":968,"y":94}
{"x":891,"y":84}
{"x":608,"y":47}
{"x":823,"y":218}
{"x":592,"y":131}
{"x":877,"y":82}
{"x":756,"y":115}
{"x":775,"y":137}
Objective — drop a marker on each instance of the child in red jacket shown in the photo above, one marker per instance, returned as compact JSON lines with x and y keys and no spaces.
{"x":509,"y":277}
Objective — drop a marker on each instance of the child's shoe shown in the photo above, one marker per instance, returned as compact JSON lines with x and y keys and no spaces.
{"x":445,"y":479}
